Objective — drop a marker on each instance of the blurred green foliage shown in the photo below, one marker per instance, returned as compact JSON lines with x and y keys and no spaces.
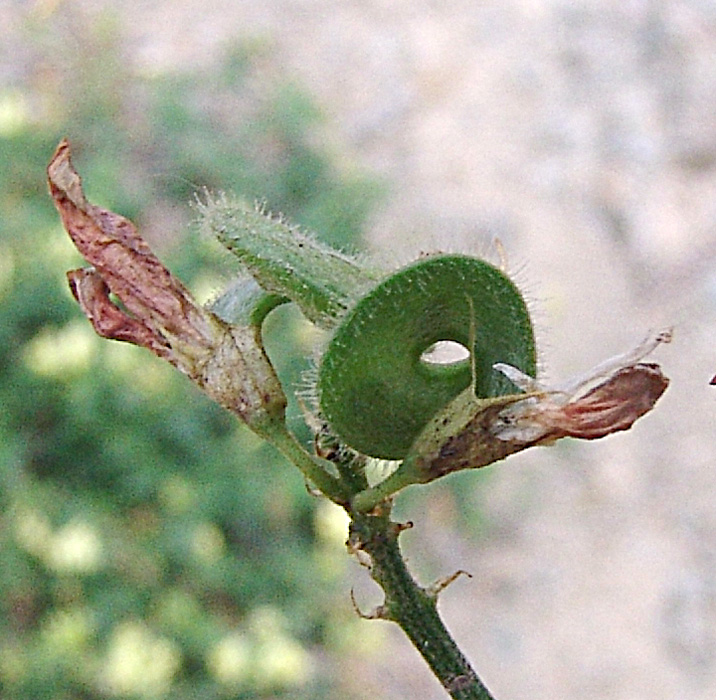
{"x":150,"y":546}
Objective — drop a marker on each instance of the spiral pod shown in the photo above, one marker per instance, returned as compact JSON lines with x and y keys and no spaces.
{"x":375,"y":388}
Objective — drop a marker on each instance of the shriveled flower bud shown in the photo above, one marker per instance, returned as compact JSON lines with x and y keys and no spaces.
{"x":227,"y":361}
{"x":607,"y":399}
{"x":470,"y":432}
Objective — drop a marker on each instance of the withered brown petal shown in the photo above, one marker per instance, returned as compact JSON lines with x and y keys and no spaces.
{"x":611,"y":406}
{"x":111,"y":244}
{"x":158,"y":312}
{"x":109,"y":321}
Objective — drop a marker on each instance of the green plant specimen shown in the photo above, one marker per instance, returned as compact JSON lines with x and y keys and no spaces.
{"x":377,"y":395}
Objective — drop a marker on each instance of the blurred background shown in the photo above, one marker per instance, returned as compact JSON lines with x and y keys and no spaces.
{"x":150,"y":547}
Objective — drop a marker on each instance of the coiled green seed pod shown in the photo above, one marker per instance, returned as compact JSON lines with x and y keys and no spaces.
{"x":375,"y":388}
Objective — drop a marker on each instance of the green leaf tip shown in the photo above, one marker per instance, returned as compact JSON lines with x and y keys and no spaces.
{"x":375,"y":389}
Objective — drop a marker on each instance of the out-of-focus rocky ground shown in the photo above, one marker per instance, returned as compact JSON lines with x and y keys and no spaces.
{"x":583,"y":135}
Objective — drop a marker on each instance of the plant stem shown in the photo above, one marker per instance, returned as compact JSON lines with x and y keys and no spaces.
{"x":312,"y":468}
{"x":406,"y":603}
{"x":412,"y":607}
{"x":369,"y":498}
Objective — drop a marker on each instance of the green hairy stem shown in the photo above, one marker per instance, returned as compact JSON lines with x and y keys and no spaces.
{"x":413,"y":607}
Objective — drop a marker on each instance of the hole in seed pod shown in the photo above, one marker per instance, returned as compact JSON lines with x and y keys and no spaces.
{"x":445,"y":352}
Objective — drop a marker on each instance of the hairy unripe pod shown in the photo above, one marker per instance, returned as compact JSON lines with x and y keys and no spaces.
{"x":375,"y":388}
